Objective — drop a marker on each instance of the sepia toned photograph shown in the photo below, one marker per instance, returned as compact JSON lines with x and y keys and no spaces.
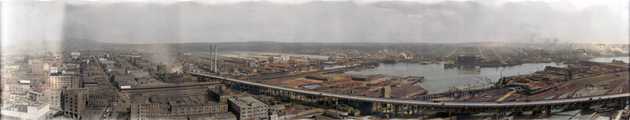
{"x":314,"y":60}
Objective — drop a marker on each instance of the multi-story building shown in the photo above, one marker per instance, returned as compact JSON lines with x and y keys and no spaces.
{"x":66,"y":76}
{"x":100,"y":97}
{"x":54,"y":99}
{"x":23,"y":87}
{"x":195,"y":108}
{"x":220,"y":93}
{"x":61,"y":81}
{"x":248,"y":108}
{"x":176,"y":108}
{"x":25,"y":112}
{"x":73,"y":102}
{"x":58,"y":80}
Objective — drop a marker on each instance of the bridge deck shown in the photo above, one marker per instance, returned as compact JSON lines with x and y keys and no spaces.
{"x":166,"y":86}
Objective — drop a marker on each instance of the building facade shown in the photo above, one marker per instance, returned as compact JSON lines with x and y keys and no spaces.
{"x":73,"y":102}
{"x":151,"y":111}
{"x":248,"y":108}
{"x":61,"y":81}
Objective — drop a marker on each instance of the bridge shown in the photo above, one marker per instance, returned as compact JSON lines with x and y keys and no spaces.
{"x":168,"y":87}
{"x":412,"y":107}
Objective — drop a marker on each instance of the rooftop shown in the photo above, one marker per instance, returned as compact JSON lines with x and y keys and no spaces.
{"x":246,"y":101}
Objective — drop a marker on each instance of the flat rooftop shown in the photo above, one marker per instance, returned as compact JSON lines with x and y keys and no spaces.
{"x":246,"y":101}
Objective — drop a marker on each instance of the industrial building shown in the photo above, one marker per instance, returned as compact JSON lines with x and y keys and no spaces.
{"x":468,"y":60}
{"x":171,"y":106}
{"x":248,"y":108}
{"x":149,"y":111}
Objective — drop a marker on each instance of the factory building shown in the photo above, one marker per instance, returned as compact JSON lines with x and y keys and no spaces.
{"x":174,"y":107}
{"x":149,"y":111}
{"x":220,"y":93}
{"x":248,"y":108}
{"x":468,"y":60}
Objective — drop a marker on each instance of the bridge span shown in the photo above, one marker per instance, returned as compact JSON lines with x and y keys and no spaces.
{"x":413,"y":106}
{"x":168,"y":87}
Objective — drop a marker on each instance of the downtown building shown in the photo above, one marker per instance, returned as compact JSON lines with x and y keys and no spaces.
{"x":59,"y":79}
{"x":73,"y":102}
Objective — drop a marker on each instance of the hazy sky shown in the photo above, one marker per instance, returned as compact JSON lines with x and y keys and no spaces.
{"x":141,"y":21}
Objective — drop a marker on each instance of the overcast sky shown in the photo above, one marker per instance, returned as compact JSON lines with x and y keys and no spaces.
{"x":142,"y":21}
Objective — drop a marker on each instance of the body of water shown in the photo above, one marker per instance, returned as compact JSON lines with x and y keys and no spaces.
{"x":609,"y":59}
{"x":439,"y":79}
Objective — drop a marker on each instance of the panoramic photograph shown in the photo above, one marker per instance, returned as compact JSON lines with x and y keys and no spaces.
{"x":314,"y":60}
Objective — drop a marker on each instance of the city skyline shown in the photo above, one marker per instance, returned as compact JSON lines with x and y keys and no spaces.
{"x":314,"y":59}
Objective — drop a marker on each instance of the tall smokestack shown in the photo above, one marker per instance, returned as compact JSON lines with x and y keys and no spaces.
{"x":210,"y":56}
{"x":628,"y":99}
{"x":213,"y":57}
{"x":211,"y":48}
{"x":216,"y":57}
